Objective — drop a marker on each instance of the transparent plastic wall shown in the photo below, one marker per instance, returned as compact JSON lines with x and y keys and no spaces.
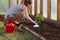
{"x":3,"y":6}
{"x":54,"y":9}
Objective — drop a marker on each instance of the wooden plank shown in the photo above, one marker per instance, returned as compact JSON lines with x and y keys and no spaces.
{"x":14,"y":2}
{"x":41,"y":7}
{"x":35,"y":8}
{"x":49,"y":9}
{"x":58,"y":10}
{"x":22,"y":1}
{"x":17,"y":1}
{"x":31,"y":10}
{"x":36,"y":34}
{"x":8,"y":4}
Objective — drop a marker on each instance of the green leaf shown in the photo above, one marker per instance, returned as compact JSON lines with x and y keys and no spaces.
{"x":39,"y":18}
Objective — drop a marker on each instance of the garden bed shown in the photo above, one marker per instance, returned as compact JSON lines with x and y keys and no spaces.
{"x":49,"y":32}
{"x":49,"y":29}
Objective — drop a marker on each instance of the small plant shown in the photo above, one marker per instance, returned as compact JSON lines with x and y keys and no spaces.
{"x":39,"y":18}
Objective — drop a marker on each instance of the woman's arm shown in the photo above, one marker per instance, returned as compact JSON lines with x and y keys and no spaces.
{"x":27,"y":16}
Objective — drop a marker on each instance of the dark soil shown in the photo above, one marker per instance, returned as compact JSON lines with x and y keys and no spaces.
{"x":49,"y":32}
{"x":50,"y":29}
